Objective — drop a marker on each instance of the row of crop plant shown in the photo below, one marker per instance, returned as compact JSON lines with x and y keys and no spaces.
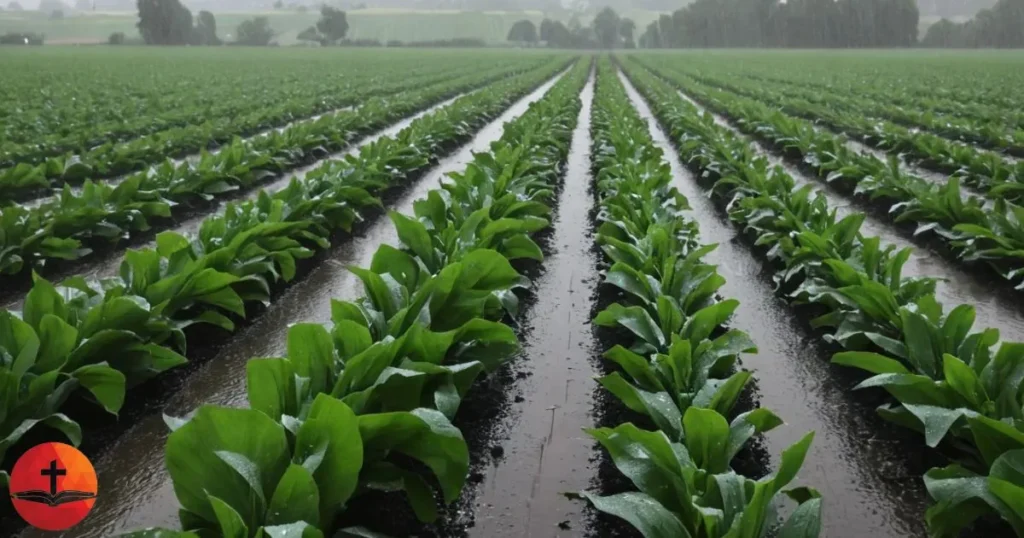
{"x":109,"y":335}
{"x":958,"y":387}
{"x":367,"y":403}
{"x":677,"y":364}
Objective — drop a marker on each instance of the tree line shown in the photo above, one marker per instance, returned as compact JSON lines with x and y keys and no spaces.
{"x":168,"y":22}
{"x":607,"y":31}
{"x":1001,"y":26}
{"x":793,"y":23}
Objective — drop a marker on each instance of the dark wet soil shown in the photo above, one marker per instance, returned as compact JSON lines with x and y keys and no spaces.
{"x":131,"y":471}
{"x":544,"y":451}
{"x":868,"y":471}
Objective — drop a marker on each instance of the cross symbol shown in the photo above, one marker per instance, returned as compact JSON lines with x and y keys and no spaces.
{"x":53,"y":472}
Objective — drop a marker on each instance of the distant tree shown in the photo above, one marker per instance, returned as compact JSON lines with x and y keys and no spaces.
{"x":206,"y":29}
{"x":651,"y":38}
{"x":14,"y":6}
{"x":279,"y":4}
{"x":559,"y":36}
{"x":606,"y":28}
{"x":998,"y":27}
{"x":670,"y":29}
{"x":310,"y":34}
{"x":545,"y":29}
{"x":333,"y":24}
{"x":789,"y":23}
{"x":116,"y":38}
{"x":83,"y":5}
{"x":626,"y":29}
{"x":15,"y":38}
{"x":164,"y":22}
{"x":56,"y":15}
{"x":944,"y":33}
{"x":523,"y":31}
{"x":255,"y":32}
{"x":574,"y":25}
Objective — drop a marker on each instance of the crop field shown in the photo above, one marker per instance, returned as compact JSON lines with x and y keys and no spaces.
{"x":505,"y":293}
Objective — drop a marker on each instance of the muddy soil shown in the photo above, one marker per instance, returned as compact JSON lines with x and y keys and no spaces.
{"x":137,"y":490}
{"x":544,"y":452}
{"x":867,"y":471}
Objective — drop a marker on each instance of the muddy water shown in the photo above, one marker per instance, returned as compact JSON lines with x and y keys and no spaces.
{"x":108,"y":265}
{"x":137,"y":490}
{"x":993,"y":307}
{"x":521,"y":494}
{"x":864,"y":477}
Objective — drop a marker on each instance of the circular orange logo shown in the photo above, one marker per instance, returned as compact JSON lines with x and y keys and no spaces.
{"x":53,"y":486}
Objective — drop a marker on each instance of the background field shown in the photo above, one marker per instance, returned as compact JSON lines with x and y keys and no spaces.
{"x":381,"y":24}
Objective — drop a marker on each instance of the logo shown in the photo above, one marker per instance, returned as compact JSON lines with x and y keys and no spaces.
{"x":53,"y":486}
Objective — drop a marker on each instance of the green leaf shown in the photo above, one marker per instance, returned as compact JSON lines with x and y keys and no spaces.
{"x":296,"y":498}
{"x":872,"y":362}
{"x":658,"y":405}
{"x":993,"y":438}
{"x":425,"y":435}
{"x":936,"y":420}
{"x":57,"y":340}
{"x":805,"y":522}
{"x":706,"y":320}
{"x":642,"y":512}
{"x":106,"y":384}
{"x":648,"y":460}
{"x":415,"y":237}
{"x":228,"y":519}
{"x":707,"y":436}
{"x":197,"y":470}
{"x":311,"y":351}
{"x":964,"y":381}
{"x":634,"y":318}
{"x":333,"y":430}
{"x":271,"y":387}
{"x":961,"y":497}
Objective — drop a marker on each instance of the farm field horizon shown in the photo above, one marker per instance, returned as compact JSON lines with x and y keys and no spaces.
{"x":502,"y":292}
{"x":383,"y":24}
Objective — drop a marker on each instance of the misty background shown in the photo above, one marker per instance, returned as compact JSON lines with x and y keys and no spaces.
{"x":655,"y":23}
{"x":952,"y":9}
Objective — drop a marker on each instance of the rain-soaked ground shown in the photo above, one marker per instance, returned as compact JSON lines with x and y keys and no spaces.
{"x":136,"y":490}
{"x":867,"y":472}
{"x":545,"y":453}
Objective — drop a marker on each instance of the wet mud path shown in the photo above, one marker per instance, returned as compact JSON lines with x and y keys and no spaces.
{"x":137,"y":492}
{"x":870,"y":482}
{"x":546,"y":452}
{"x":958,"y":285}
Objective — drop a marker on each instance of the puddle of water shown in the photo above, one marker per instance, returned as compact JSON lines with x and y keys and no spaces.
{"x":959,"y":286}
{"x":137,"y":490}
{"x":521,"y":495}
{"x":863,"y":477}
